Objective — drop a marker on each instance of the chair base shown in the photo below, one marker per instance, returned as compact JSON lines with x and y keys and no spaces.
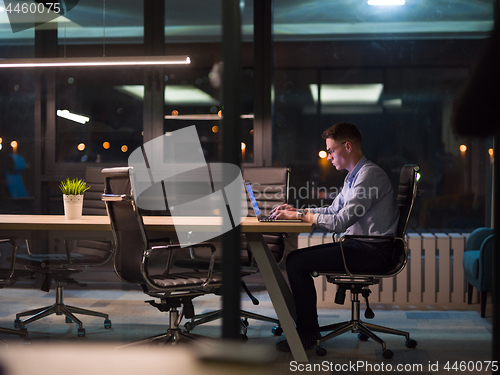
{"x":174,"y":334}
{"x":214,"y":315}
{"x":59,"y":308}
{"x":10,"y":331}
{"x":364,"y":330}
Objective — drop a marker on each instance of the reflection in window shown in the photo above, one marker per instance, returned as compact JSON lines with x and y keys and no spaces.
{"x":97,"y":120}
{"x":191,"y":98}
{"x":17,"y":142}
{"x":394,"y":72}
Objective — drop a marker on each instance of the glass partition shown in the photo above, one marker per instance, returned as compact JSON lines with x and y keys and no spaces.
{"x":394,"y":72}
{"x":17,"y":142}
{"x":99,"y":115}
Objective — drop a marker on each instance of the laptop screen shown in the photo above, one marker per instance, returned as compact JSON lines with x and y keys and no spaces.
{"x":252,"y":198}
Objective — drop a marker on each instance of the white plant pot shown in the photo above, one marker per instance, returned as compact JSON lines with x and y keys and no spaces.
{"x":73,"y":205}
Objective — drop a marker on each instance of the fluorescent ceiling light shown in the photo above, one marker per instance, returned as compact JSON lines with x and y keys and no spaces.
{"x":386,"y":2}
{"x":93,"y":61}
{"x":64,"y":113}
{"x":393,"y":103}
{"x":211,"y":116}
{"x":174,"y":94}
{"x":363,"y":93}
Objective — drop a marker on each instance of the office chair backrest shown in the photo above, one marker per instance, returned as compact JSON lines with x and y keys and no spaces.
{"x":93,"y":205}
{"x":407,"y":191}
{"x":270,"y":185}
{"x":126,"y":221}
{"x":92,"y":202}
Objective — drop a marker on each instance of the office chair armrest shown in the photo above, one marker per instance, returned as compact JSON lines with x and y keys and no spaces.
{"x":367,"y":237}
{"x":69,"y":250}
{"x":148,"y":253}
{"x":28,"y":249}
{"x":116,"y":198}
{"x":346,"y":236}
{"x":13,"y":255}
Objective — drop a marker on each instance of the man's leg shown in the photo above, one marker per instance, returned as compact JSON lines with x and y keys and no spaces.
{"x":322,"y":258}
{"x":299,"y":265}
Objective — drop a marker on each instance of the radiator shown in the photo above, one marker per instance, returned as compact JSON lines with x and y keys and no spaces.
{"x":433,"y":274}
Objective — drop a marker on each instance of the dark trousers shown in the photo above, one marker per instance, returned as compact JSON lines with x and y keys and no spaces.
{"x":360,"y":256}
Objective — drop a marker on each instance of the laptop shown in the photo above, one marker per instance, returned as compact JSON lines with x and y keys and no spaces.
{"x":258,"y":213}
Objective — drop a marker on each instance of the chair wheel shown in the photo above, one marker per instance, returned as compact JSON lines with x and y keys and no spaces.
{"x":81,"y":332}
{"x":69,"y":320}
{"x":363,"y":337}
{"x":243,"y":337}
{"x":320,"y":351}
{"x":410,"y":343}
{"x":17,"y":323}
{"x":188,"y":326}
{"x":107,"y":324}
{"x":387,"y":354}
{"x":277,"y":331}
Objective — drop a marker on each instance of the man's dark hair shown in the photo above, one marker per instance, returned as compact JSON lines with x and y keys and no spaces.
{"x":343,"y":131}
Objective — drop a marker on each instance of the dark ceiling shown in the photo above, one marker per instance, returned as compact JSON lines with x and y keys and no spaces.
{"x":200,"y":20}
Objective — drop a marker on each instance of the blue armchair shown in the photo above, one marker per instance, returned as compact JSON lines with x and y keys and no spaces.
{"x":477,"y":262}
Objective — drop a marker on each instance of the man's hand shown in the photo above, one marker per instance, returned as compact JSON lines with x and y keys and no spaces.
{"x":284,"y":207}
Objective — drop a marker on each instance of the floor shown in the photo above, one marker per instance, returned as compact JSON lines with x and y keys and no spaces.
{"x":444,"y":336}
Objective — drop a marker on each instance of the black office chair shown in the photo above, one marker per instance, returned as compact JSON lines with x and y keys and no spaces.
{"x":8,"y":276}
{"x":136,"y":255}
{"x":270,"y":185}
{"x":79,"y":255}
{"x":359,"y":283}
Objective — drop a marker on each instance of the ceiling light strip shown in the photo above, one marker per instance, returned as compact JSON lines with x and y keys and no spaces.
{"x":203,"y":117}
{"x":386,"y":2}
{"x":94,"y":61}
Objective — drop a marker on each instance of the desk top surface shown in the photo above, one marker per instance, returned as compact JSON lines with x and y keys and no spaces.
{"x":158,"y":223}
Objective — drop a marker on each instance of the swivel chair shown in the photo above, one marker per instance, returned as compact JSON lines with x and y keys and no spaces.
{"x":477,"y":263}
{"x":8,"y":277}
{"x":360,"y":283}
{"x":271,"y":189}
{"x":79,"y":255}
{"x":136,"y":255}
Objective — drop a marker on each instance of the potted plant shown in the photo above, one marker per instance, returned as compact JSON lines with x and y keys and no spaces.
{"x":73,"y":197}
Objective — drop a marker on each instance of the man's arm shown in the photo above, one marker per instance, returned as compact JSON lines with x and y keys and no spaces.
{"x":357,"y":200}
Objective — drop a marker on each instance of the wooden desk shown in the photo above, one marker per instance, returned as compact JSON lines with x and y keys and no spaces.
{"x":28,"y":226}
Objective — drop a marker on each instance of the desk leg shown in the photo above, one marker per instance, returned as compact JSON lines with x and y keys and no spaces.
{"x":280,"y":293}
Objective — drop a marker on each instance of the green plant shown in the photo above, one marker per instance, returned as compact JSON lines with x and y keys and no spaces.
{"x":75,"y":186}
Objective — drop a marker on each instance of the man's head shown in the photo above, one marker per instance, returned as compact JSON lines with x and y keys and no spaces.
{"x":343,"y":145}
